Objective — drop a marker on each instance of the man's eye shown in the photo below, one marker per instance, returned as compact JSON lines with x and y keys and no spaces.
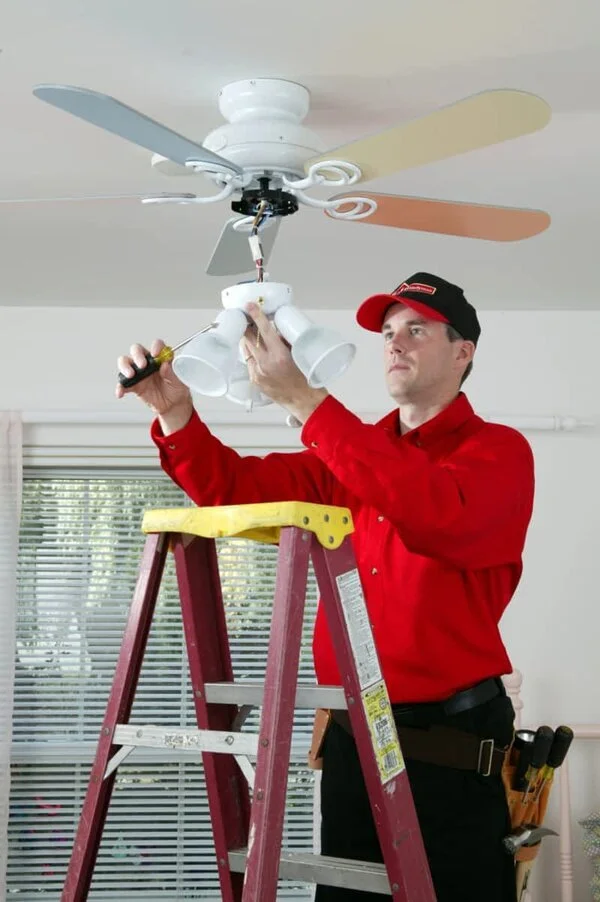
{"x":416,"y":330}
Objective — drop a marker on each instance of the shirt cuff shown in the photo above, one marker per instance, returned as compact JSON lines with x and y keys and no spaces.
{"x":179,"y":445}
{"x":328,"y":425}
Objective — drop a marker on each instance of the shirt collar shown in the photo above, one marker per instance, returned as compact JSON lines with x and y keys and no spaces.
{"x":447,"y":420}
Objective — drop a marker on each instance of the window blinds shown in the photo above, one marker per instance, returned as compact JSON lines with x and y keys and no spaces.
{"x":80,"y":548}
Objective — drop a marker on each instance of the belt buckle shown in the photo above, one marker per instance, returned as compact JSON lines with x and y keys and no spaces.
{"x":483,"y":745}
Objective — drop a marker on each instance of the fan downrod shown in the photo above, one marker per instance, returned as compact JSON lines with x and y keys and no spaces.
{"x":280,"y":202}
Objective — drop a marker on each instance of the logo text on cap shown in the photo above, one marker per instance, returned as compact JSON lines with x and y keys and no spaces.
{"x":414,"y":286}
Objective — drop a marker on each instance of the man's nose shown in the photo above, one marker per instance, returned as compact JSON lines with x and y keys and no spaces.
{"x":396,"y":345}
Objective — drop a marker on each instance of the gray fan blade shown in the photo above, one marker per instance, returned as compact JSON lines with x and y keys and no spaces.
{"x":116,"y":117}
{"x":232,"y":255}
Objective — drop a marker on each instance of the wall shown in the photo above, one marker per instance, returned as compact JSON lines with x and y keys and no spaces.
{"x":528,"y":364}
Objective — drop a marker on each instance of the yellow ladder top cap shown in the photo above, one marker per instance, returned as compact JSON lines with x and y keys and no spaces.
{"x":259,"y":522}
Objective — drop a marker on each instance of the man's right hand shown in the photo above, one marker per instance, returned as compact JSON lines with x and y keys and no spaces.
{"x":163,"y":392}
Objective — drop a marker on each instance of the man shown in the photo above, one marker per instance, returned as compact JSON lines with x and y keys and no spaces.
{"x":441,"y":503}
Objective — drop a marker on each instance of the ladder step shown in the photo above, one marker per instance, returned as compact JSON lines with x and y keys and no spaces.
{"x":308,"y":695}
{"x":186,"y":739}
{"x":340,"y":872}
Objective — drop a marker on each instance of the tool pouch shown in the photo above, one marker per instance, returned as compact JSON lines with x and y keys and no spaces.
{"x":315,"y":757}
{"x":524,"y":811}
{"x":530,"y":811}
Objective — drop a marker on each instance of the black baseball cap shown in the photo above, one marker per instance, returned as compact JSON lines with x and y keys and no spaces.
{"x":432,"y":297}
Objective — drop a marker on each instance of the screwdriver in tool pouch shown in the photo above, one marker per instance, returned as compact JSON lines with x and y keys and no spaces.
{"x":563,"y":737}
{"x":540,"y":750}
{"x":154,"y":363}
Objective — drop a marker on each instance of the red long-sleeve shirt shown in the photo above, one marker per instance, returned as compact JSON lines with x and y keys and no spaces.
{"x":440,"y":514}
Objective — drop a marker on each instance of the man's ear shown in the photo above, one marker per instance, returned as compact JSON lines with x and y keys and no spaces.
{"x":465,"y":351}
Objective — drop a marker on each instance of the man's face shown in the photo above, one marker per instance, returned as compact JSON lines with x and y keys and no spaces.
{"x":421,"y":363}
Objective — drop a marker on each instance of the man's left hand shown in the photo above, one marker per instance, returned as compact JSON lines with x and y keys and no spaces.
{"x":273,"y":371}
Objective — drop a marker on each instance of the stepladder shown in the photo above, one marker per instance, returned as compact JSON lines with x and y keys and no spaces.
{"x":246,"y":773}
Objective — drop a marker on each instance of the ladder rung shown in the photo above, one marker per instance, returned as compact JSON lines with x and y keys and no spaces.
{"x":186,"y":739}
{"x":341,"y":872}
{"x":308,"y":695}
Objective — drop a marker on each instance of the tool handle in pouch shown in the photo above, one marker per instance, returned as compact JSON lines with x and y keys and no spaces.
{"x":522,"y":749}
{"x":544,"y":737}
{"x":524,"y":861}
{"x":563,"y":738}
{"x":152,"y":366}
{"x":530,"y":808}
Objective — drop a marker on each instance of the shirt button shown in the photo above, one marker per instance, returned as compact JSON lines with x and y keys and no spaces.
{"x":380,"y":519}
{"x":374,"y":571}
{"x":314,"y":445}
{"x":172,"y":447}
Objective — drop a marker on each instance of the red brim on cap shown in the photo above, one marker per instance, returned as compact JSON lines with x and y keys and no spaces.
{"x":371,"y":313}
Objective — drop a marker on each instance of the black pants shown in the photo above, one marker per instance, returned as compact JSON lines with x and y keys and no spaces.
{"x":463,"y":816}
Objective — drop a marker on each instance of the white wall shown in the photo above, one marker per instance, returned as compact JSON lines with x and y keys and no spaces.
{"x":529,"y":364}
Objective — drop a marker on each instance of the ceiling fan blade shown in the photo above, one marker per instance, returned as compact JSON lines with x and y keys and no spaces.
{"x":114,"y":116}
{"x":454,"y":218}
{"x":62,"y":200}
{"x":232,"y":255}
{"x":477,"y":121}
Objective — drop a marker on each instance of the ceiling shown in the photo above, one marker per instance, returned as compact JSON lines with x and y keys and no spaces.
{"x":408,"y":58}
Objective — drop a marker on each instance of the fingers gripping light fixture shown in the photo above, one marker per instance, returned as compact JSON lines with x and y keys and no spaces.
{"x":212,"y":363}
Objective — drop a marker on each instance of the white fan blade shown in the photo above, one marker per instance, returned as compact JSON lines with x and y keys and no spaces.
{"x":144,"y":198}
{"x":232,"y":255}
{"x":63,"y":200}
{"x":119,"y":119}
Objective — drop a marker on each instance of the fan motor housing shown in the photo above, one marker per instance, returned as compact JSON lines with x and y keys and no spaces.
{"x":279,"y":145}
{"x":263,"y":131}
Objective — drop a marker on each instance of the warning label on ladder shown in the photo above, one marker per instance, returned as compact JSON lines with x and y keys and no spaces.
{"x":383,"y":731}
{"x":374,"y":693}
{"x":359,"y":628}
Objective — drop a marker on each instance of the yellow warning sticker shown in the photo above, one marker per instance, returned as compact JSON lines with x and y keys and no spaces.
{"x":383,"y":731}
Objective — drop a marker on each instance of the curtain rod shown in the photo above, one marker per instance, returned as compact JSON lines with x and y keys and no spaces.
{"x":533,"y":423}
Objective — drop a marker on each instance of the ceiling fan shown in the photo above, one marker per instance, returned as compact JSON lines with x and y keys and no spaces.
{"x":266,"y":162}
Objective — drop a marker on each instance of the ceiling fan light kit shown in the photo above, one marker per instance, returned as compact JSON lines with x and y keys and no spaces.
{"x":212,"y":363}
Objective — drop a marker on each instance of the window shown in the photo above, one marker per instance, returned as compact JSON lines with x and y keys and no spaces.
{"x":79,"y":553}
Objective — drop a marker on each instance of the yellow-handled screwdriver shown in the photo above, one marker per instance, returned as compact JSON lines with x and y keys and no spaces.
{"x":563,"y":737}
{"x":154,"y":363}
{"x":540,"y":750}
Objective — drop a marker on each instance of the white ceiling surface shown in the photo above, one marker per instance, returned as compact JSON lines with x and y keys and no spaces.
{"x":407,"y":59}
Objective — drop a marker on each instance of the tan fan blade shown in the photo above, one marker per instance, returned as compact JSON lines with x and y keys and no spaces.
{"x":474,"y":122}
{"x":450,"y":218}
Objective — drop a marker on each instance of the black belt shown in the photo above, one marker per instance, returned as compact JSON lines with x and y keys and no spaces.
{"x":447,"y":746}
{"x":461,"y":701}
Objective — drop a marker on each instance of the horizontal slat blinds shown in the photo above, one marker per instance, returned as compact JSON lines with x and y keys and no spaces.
{"x":80,"y":547}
